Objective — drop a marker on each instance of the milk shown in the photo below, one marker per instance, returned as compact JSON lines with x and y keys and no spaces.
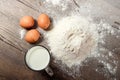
{"x":37,"y":58}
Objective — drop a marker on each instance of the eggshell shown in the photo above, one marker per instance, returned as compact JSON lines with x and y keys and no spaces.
{"x":32,"y":36}
{"x":27,"y":22}
{"x":43,"y":21}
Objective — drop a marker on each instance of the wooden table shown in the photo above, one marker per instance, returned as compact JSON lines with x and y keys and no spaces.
{"x":12,"y":48}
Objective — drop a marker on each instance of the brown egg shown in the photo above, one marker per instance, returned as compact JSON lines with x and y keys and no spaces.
{"x":32,"y":36}
{"x":27,"y":22}
{"x":43,"y":21}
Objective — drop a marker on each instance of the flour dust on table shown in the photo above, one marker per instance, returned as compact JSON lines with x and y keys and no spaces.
{"x":76,"y":38}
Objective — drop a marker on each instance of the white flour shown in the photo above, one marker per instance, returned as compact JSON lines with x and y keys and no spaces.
{"x":22,"y":33}
{"x":63,"y":4}
{"x":75,"y":38}
{"x":54,"y":2}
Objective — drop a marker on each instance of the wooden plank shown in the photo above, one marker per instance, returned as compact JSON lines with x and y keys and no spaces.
{"x":12,"y":48}
{"x":12,"y":65}
{"x":9,"y":23}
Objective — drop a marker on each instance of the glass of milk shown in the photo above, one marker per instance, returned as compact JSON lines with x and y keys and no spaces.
{"x":37,"y":58}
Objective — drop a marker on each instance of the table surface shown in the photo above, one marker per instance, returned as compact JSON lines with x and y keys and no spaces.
{"x":13,"y":48}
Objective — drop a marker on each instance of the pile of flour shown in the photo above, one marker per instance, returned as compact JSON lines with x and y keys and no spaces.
{"x":73,"y":39}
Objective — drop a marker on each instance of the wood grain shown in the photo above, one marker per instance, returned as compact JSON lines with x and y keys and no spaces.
{"x":12,"y":48}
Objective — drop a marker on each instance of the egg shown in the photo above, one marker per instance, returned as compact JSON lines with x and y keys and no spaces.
{"x":43,"y":21}
{"x":32,"y":36}
{"x":27,"y":22}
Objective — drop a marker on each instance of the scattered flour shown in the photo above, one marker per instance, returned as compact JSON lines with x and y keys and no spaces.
{"x":109,"y":61}
{"x":59,"y":3}
{"x":22,"y":33}
{"x":54,"y":2}
{"x":75,"y":38}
